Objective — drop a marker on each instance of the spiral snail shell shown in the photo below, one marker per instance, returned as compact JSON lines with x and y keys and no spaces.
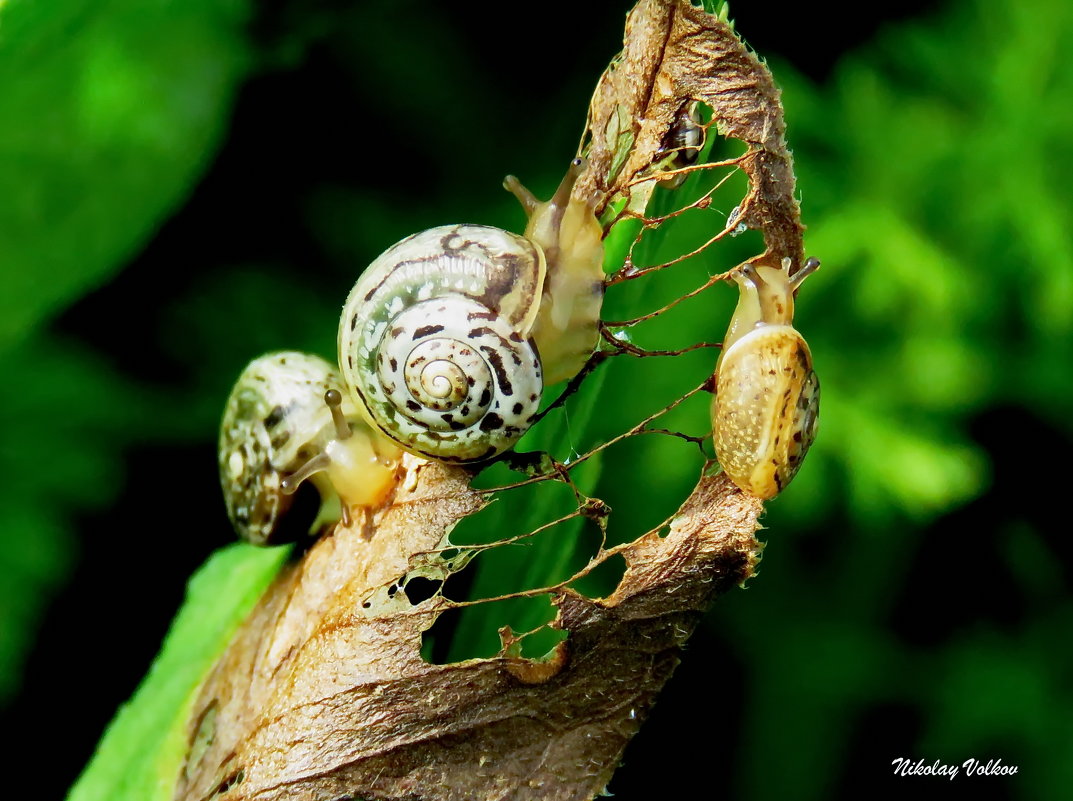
{"x":767,"y":399}
{"x":439,"y":338}
{"x":286,"y":421}
{"x":434,"y":341}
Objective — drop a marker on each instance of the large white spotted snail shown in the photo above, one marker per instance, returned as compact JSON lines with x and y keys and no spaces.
{"x":767,"y":398}
{"x":445,"y":344}
{"x":448,"y":338}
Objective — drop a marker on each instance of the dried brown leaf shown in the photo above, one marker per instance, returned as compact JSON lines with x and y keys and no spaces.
{"x":323,"y":693}
{"x":675,"y":52}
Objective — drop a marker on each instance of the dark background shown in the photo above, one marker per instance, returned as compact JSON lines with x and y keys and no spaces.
{"x":402,"y":118}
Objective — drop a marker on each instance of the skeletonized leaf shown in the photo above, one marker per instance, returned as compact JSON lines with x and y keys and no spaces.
{"x":324,"y":692}
{"x":675,"y":52}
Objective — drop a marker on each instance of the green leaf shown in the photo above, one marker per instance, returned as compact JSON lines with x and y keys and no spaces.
{"x":143,"y":748}
{"x":108,"y":114}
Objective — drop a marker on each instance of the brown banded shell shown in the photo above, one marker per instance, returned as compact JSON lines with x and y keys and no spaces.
{"x":276,"y":422}
{"x":434,"y":341}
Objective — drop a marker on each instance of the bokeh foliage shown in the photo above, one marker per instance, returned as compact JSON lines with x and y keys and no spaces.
{"x":108,"y":115}
{"x":914,"y":599}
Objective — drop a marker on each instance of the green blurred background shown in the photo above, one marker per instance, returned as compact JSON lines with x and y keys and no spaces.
{"x":183,"y":187}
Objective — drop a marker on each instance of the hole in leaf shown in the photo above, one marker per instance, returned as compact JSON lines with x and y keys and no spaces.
{"x":420,"y":589}
{"x":474,"y":633}
{"x":457,"y":585}
{"x":540,"y":643}
{"x":602,"y":580}
{"x":232,"y":780}
{"x":436,"y":641}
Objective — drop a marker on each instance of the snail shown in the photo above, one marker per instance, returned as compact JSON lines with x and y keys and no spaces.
{"x":566,"y":229}
{"x":682,"y":144}
{"x":448,"y":337}
{"x":287,"y":420}
{"x":767,"y":396}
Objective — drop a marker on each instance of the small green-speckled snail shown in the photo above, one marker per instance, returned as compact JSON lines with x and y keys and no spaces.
{"x":288,"y":420}
{"x":767,"y":397}
{"x":683,"y":143}
{"x":447,"y":339}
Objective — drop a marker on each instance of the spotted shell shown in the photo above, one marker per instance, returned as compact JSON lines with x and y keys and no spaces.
{"x":684,"y":142}
{"x":767,"y":405}
{"x":767,"y":400}
{"x":435,"y":341}
{"x":276,"y":420}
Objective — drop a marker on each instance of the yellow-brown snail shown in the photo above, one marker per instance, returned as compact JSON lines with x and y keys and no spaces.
{"x":288,"y":420}
{"x":767,"y":396}
{"x":447,"y":339}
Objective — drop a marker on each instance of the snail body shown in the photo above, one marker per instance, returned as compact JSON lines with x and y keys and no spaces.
{"x":567,"y":231}
{"x":446,"y":339}
{"x":767,"y":399}
{"x":280,"y":428}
